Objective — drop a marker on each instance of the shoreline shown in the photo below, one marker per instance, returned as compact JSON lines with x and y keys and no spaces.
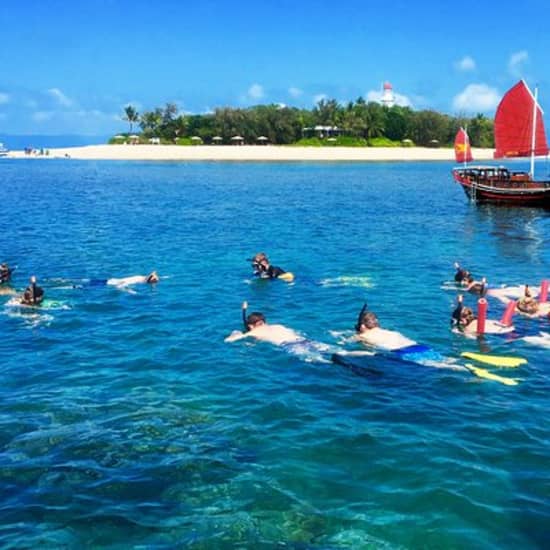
{"x":262,"y":153}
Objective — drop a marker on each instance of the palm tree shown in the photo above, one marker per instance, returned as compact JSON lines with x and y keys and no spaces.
{"x":131,"y":115}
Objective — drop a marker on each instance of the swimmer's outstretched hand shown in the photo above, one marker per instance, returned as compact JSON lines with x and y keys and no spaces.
{"x":234,"y":336}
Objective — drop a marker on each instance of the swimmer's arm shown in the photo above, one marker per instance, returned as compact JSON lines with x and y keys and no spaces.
{"x":236,"y":335}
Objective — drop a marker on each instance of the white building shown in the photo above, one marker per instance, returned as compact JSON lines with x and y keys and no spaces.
{"x":387,"y":99}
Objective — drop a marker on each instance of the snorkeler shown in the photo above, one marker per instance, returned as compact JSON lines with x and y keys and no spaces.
{"x":5,"y":279}
{"x":33,"y":295}
{"x":5,"y":273}
{"x":263,"y":268}
{"x":461,"y":273}
{"x":528,"y":305}
{"x":369,"y":332}
{"x":256,"y":326}
{"x":475,"y":287}
{"x":133,"y":280}
{"x":464,"y":320}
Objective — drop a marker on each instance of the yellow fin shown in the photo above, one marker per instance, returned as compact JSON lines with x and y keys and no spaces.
{"x":484,"y":373}
{"x":496,"y":360}
{"x":288,"y":277}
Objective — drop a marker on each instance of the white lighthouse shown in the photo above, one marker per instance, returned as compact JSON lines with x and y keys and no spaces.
{"x":387,"y":99}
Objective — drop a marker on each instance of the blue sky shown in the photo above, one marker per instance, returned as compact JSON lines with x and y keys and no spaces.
{"x":72,"y":66}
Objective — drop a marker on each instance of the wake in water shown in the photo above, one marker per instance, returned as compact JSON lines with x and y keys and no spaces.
{"x":345,"y":280}
{"x":542,"y":340}
{"x":32,"y":319}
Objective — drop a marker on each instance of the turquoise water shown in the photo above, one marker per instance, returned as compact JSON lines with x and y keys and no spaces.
{"x":126,"y":421}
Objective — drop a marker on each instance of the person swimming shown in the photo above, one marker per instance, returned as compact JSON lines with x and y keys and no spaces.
{"x":152,"y":278}
{"x":461,"y":274}
{"x":5,"y":279}
{"x":263,"y":268}
{"x":464,"y":320}
{"x":528,"y":305}
{"x":256,"y":326}
{"x":33,"y":295}
{"x":369,"y":332}
{"x":475,"y":287}
{"x":5,"y":273}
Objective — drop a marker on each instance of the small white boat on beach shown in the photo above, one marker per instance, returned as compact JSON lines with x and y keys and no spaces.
{"x":3,"y":151}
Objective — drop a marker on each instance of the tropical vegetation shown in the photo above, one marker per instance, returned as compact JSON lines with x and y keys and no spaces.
{"x":356,"y":123}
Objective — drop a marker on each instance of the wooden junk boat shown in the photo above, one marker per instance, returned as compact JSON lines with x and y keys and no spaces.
{"x":519,"y":132}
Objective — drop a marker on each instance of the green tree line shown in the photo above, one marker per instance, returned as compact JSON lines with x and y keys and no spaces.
{"x":357,"y":122}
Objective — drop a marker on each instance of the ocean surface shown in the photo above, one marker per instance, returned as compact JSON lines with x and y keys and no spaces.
{"x":127,"y":422}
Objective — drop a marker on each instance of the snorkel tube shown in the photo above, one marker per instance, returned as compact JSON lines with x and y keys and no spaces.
{"x":360,"y":316}
{"x":244,"y":310}
{"x":455,"y":317}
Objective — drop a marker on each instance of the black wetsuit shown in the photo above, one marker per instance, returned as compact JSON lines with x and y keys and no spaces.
{"x":33,"y":295}
{"x":460,"y":275}
{"x":272,"y":272}
{"x":5,"y":275}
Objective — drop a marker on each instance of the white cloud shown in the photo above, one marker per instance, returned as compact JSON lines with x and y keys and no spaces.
{"x":255,"y":92}
{"x":319,"y":97}
{"x":60,"y":97}
{"x":4,"y":98}
{"x":42,"y":116}
{"x":466,"y":64}
{"x":476,"y":98}
{"x":400,"y":99}
{"x":295,"y":92}
{"x":516,"y":61}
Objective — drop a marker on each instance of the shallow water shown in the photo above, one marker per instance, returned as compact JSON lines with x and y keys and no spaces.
{"x":125,"y":420}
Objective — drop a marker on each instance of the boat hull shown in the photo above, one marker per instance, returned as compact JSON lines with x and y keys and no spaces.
{"x":499,"y":186}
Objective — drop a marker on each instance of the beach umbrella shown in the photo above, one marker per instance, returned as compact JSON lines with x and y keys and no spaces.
{"x":196,"y":138}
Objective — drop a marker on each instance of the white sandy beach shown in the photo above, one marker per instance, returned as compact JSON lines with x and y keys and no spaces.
{"x":273,"y":153}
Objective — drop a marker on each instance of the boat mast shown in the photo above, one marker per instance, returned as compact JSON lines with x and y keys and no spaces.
{"x":533,"y":133}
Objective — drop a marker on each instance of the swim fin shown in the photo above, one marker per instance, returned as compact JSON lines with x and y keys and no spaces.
{"x":484,"y":373}
{"x":495,"y":360}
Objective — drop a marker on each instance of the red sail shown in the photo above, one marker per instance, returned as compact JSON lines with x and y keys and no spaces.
{"x":514,"y":124}
{"x":463,"y":151}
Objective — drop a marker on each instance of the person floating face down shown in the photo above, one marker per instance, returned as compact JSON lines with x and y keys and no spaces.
{"x":33,"y":295}
{"x":462,"y":316}
{"x":5,"y":273}
{"x":527,"y":304}
{"x":461,"y":273}
{"x":464,"y":319}
{"x":263,"y":268}
{"x":256,"y":326}
{"x":369,"y":332}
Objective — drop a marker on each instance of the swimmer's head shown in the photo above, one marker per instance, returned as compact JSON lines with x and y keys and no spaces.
{"x":368,"y":321}
{"x":255,"y":319}
{"x":466,"y":316}
{"x":153,"y":278}
{"x":259,"y":260}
